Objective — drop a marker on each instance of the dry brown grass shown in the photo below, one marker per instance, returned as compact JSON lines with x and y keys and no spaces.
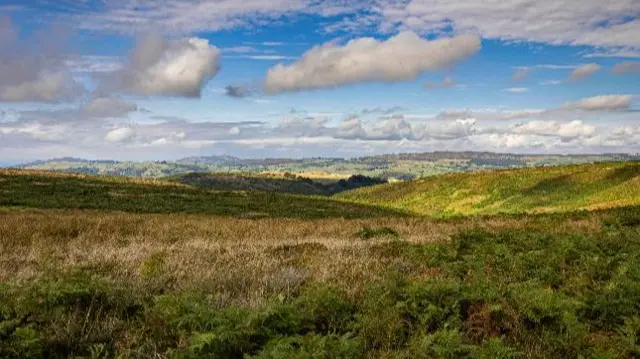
{"x":242,"y":261}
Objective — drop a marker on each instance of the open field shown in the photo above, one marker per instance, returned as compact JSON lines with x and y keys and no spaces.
{"x":101,"y":267}
{"x":530,"y":190}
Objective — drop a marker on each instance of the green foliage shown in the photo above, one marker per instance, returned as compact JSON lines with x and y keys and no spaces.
{"x":311,"y":347}
{"x":497,"y":295}
{"x":287,"y":183}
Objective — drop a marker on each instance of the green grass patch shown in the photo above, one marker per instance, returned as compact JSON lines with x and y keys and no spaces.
{"x":529,"y":190}
{"x":60,"y":191}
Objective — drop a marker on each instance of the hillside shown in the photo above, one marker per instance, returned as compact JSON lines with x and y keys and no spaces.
{"x":39,"y":189}
{"x":402,"y":166}
{"x":278,"y":183}
{"x":530,"y":190}
{"x":114,"y":267}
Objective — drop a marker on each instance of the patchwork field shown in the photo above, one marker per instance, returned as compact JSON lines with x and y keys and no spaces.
{"x":105,"y":267}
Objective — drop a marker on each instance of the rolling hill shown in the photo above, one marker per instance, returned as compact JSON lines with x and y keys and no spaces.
{"x":529,"y":190}
{"x":53,"y":190}
{"x":400,"y":166}
{"x":279,"y":183}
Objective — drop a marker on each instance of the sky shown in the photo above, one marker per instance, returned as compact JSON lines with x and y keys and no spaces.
{"x":166,"y":79}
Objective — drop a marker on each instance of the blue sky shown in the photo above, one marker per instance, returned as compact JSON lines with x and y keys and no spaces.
{"x":151,"y":80}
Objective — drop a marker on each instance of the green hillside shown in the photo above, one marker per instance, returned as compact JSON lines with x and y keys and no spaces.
{"x":50,"y":190}
{"x":530,"y":190}
{"x":279,"y":183}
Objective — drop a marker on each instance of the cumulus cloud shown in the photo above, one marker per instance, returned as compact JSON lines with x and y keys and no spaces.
{"x":571,"y":129}
{"x":351,"y":128}
{"x":400,"y":58}
{"x":603,"y":103}
{"x":395,"y":128}
{"x":167,"y":68}
{"x":584,"y":71}
{"x":626,"y":68}
{"x":119,"y":134}
{"x":511,"y":140}
{"x":457,"y":129}
{"x":33,"y":69}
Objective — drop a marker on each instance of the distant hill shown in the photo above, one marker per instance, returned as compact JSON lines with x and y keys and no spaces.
{"x":396,"y":166}
{"x":52,"y":190}
{"x":286,"y":183}
{"x":530,"y":190}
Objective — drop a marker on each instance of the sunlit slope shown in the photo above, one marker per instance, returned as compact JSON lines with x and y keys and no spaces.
{"x":50,"y":190}
{"x":530,"y":190}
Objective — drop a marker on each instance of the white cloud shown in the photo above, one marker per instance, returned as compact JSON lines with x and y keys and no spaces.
{"x":109,"y":107}
{"x":550,"y":82}
{"x":626,"y":68}
{"x":510,"y":141}
{"x":186,"y":16}
{"x":576,"y":129}
{"x":263,"y":57}
{"x":402,"y":57}
{"x":394,"y":128}
{"x":32,"y":70}
{"x":615,"y":52}
{"x":571,"y":129}
{"x":457,"y":129}
{"x":169,"y":68}
{"x":119,"y":135}
{"x":351,"y":128}
{"x":516,"y":89}
{"x":584,"y":71}
{"x":95,"y":64}
{"x":586,"y":22}
{"x":47,"y":86}
{"x":603,"y":103}
{"x":627,"y":135}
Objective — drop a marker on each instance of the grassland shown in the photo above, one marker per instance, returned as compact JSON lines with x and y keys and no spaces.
{"x":37,"y":189}
{"x":163,"y":270}
{"x":529,"y":190}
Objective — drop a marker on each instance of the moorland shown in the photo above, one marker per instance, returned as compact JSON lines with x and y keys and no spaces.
{"x":520,"y":263}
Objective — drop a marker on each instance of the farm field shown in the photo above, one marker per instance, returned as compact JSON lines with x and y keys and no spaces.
{"x":105,"y":267}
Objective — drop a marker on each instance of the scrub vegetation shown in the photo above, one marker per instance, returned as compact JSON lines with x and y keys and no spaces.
{"x":105,"y":267}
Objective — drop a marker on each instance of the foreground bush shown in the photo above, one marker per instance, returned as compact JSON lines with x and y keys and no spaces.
{"x":511,"y":294}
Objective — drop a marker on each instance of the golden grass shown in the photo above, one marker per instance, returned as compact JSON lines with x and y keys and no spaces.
{"x":243,"y":261}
